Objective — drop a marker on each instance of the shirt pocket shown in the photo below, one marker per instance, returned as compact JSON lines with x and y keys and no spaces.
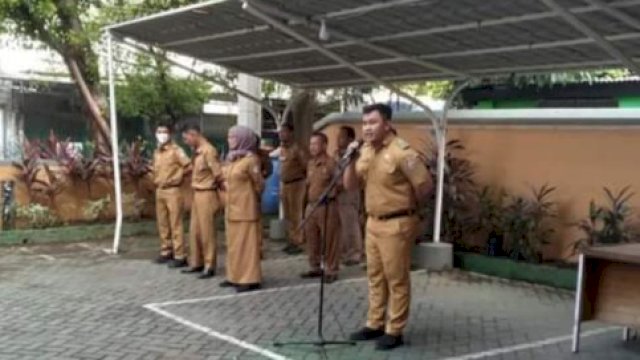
{"x":387,"y":166}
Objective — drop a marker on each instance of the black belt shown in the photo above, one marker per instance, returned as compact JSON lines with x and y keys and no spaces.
{"x":209,"y":189}
{"x":165,"y":187}
{"x":331,"y":199}
{"x":393,"y":215}
{"x":292,"y":181}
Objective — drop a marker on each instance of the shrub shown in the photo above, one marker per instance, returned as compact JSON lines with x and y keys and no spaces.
{"x":37,"y":216}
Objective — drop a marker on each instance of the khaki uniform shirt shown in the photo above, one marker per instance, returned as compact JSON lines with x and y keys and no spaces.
{"x":244,"y":185}
{"x":347,"y":197}
{"x":265,"y":163}
{"x":390,"y":175}
{"x":169,"y":162}
{"x":320,"y":172}
{"x":293,"y":163}
{"x":206,"y":168}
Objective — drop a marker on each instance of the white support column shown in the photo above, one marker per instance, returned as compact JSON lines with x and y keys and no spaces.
{"x":441,"y":142}
{"x":114,"y":145}
{"x":249,"y":112}
{"x":577,"y":311}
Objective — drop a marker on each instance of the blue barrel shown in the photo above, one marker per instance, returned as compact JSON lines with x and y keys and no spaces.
{"x":270,"y":195}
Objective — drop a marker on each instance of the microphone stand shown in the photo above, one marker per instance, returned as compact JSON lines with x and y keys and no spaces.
{"x":322,"y":201}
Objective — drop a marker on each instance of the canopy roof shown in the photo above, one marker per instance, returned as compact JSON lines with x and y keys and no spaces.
{"x":398,"y":40}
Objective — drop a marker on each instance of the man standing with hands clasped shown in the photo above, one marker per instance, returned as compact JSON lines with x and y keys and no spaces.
{"x":395,"y":182}
{"x":323,"y":225}
{"x":205,"y":177}
{"x":170,"y":164}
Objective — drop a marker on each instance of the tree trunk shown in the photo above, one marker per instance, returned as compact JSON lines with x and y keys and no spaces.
{"x":90,"y":94}
{"x":303,"y":110}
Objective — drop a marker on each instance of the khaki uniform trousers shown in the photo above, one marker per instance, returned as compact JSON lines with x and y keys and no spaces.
{"x":169,"y":217}
{"x":388,"y":244}
{"x":202,"y":232}
{"x":244,"y":251}
{"x":314,"y":229}
{"x":350,"y":230}
{"x":293,"y":206}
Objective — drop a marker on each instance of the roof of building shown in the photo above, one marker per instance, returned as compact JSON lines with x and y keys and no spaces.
{"x":396,"y":40}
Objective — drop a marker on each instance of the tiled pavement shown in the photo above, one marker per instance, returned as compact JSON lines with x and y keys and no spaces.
{"x":76,"y":302}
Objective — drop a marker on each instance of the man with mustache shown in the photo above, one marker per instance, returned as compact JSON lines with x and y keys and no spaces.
{"x":396,"y":182}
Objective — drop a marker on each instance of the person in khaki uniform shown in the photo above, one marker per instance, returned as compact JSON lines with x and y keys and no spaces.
{"x":349,"y":209}
{"x":293,"y":166}
{"x":320,"y":172}
{"x":243,"y":185}
{"x":169,"y":165}
{"x":265,"y":159}
{"x":396,"y":181}
{"x":205,"y":177}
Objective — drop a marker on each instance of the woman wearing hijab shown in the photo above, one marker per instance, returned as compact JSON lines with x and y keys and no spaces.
{"x":244,"y":185}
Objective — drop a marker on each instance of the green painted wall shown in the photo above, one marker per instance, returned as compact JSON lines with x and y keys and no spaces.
{"x":629,"y":102}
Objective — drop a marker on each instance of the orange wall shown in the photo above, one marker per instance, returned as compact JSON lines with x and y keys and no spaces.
{"x":69,"y":204}
{"x":579,"y":162}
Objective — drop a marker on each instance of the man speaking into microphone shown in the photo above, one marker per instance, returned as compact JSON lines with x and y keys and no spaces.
{"x":395,"y":182}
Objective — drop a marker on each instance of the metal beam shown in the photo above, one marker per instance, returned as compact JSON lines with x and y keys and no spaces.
{"x":616,"y":13}
{"x":490,"y":71}
{"x":363,"y":43}
{"x":588,"y":31}
{"x":369,"y":8}
{"x":184,"y":9}
{"x":432,"y":31}
{"x":328,"y":53}
{"x":463,"y":53}
{"x":215,"y":36}
{"x":330,"y":15}
{"x":210,"y":78}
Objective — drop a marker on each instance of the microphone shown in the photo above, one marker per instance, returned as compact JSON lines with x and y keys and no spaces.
{"x":352,"y":149}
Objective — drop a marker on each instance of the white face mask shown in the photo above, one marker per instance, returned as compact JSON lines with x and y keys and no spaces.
{"x":162,"y":138}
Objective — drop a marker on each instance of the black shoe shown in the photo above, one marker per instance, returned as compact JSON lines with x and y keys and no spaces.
{"x":295,"y":250}
{"x":350,"y":263}
{"x":311,"y":274}
{"x":248,"y":287}
{"x":366,"y":333}
{"x":292,"y":249}
{"x":193,"y":270}
{"x":226,"y":284}
{"x":389,"y":342}
{"x":330,"y":279}
{"x":178,"y":263}
{"x":207,"y":274}
{"x":163,"y":259}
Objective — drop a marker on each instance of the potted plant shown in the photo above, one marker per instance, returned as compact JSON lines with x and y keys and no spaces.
{"x":458,"y":193}
{"x":526,"y":224}
{"x":606,"y":225}
{"x":489,"y":218}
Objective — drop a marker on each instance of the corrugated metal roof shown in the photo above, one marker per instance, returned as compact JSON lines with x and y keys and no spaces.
{"x":442,"y":39}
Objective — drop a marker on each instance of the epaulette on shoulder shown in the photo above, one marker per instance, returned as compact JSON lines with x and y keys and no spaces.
{"x":401,"y":143}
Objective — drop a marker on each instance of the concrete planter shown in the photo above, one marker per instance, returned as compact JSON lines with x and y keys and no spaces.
{"x":432,"y":256}
{"x":277,"y":229}
{"x":77,"y":233}
{"x":517,"y":270}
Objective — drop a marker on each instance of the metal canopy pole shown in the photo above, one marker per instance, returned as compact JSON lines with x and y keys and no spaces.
{"x":588,"y":31}
{"x":441,"y":142}
{"x":114,"y":144}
